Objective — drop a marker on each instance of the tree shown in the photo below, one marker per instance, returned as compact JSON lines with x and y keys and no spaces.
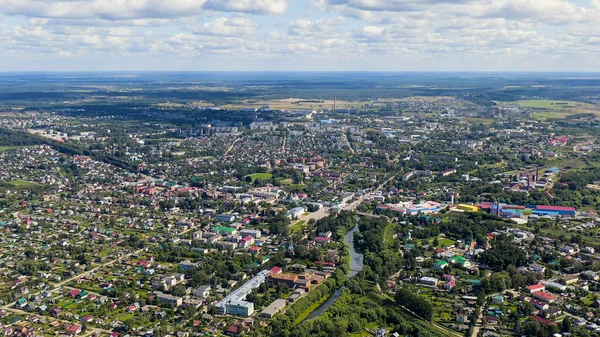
{"x":566,"y":325}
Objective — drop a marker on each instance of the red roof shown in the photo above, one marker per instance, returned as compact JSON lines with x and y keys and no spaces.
{"x":535,"y":287}
{"x":543,"y":320}
{"x":545,"y":295}
{"x":276,"y":270}
{"x":555,"y":208}
{"x":233,"y":329}
{"x":321,"y":238}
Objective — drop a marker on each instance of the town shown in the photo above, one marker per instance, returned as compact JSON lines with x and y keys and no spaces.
{"x":420,"y":216}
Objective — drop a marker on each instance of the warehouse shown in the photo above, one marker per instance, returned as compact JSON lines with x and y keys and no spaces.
{"x":551,"y":210}
{"x":274,"y":308}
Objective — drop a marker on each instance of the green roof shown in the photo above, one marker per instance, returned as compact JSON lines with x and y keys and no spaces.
{"x":458,"y":259}
{"x":222,"y":229}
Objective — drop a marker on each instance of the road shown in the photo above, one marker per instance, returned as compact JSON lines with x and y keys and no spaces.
{"x":479,"y":321}
{"x":353,"y":205}
{"x":231,"y":146}
{"x":324,"y":212}
{"x":284,"y":143}
{"x":345,"y":137}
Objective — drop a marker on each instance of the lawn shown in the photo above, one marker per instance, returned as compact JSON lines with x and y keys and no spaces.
{"x":288,"y":181}
{"x":21,"y":184}
{"x":544,"y":104}
{"x":310,"y":309}
{"x":442,"y":242}
{"x":297,"y":227}
{"x":6,"y":148}
{"x":260,"y":176}
{"x":388,"y":235}
{"x":558,"y":109}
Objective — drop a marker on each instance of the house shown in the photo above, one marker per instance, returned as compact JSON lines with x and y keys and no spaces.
{"x":74,"y":329}
{"x":295,"y":213}
{"x":87,"y":318}
{"x":429,"y":281}
{"x":544,"y":296}
{"x":21,"y":302}
{"x":460,"y":260}
{"x":536,"y":268}
{"x":225,"y":217}
{"x":450,"y":284}
{"x":570,"y":279}
{"x":492,"y":320}
{"x":203,"y":291}
{"x":552,"y":312}
{"x":322,"y":240}
{"x":498,"y":299}
{"x":440,"y":265}
{"x":535,"y":288}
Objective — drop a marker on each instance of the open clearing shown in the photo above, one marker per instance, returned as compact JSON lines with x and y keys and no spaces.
{"x":261,"y":176}
{"x":295,"y":104}
{"x":6,"y":148}
{"x":558,"y":109}
{"x":21,"y":184}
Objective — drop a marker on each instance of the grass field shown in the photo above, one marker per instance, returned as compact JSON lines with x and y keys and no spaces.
{"x":295,"y":104}
{"x":22,"y":185}
{"x":558,"y":109}
{"x":297,"y":227}
{"x":544,"y":104}
{"x":443,"y":242}
{"x":310,"y":309}
{"x":261,"y":176}
{"x":6,"y":148}
{"x":388,"y":235}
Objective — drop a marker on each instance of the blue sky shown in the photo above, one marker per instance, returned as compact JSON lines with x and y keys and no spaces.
{"x":315,"y":35}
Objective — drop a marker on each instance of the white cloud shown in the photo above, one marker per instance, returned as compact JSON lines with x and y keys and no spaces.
{"x":248,"y":6}
{"x":134,"y":9}
{"x":227,"y":27}
{"x":378,"y":33}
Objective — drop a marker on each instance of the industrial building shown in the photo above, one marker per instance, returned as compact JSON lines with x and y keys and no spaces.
{"x":273,"y":308}
{"x":295,"y":213}
{"x":555,"y":210}
{"x":468,"y":208}
{"x":429,"y":281}
{"x":235,"y":303}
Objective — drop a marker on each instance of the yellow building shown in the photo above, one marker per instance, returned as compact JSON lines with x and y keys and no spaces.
{"x":468,"y":208}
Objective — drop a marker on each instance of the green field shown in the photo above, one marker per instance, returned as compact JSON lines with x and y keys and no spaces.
{"x":388,"y":235}
{"x":297,"y":227}
{"x":261,"y":176}
{"x":310,"y":309}
{"x":6,"y":148}
{"x":545,"y":104}
{"x":23,"y":185}
{"x":443,"y":242}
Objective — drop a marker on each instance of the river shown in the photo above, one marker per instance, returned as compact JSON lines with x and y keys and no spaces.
{"x":356,"y":265}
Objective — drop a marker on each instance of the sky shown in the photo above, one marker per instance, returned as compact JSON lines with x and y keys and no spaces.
{"x":300,"y":35}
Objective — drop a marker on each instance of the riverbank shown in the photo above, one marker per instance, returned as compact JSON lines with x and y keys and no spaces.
{"x":306,"y":313}
{"x":355,"y":263}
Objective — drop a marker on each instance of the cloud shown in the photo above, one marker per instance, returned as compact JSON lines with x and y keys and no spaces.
{"x":307,"y":27}
{"x":248,"y":6}
{"x":227,"y":27}
{"x":115,"y":10}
